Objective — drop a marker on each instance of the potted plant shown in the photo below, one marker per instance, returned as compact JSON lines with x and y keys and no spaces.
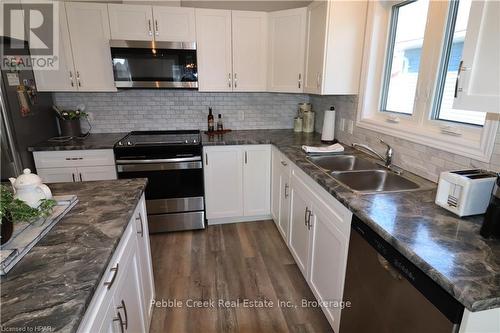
{"x":69,"y":121}
{"x":14,"y":210}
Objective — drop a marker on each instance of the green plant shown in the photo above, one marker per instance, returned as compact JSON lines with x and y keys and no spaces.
{"x":19,"y":211}
{"x":73,"y":114}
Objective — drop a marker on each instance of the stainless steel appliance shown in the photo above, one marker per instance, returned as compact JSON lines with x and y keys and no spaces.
{"x":27,"y":117}
{"x":389,"y":294}
{"x":151,"y":64}
{"x":171,"y":161}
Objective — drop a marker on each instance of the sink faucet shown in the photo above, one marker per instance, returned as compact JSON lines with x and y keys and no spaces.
{"x":387,"y":159}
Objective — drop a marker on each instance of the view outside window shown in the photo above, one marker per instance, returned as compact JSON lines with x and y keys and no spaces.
{"x":453,"y":53}
{"x":407,"y":37}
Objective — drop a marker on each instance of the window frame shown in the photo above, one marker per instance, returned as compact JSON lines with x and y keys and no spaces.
{"x":463,"y":139}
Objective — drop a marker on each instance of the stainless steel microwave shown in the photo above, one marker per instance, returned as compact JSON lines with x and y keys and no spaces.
{"x":150,"y":64}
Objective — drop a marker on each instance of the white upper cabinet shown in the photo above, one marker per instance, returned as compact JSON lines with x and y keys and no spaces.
{"x":130,"y":22}
{"x":334,"y":46}
{"x":174,"y":24}
{"x":62,"y":79}
{"x":287,"y":39}
{"x":213,"y":37}
{"x":88,"y":25}
{"x":478,"y":85}
{"x":249,"y":32}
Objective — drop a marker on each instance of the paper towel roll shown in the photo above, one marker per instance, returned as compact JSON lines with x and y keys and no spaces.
{"x":328,"y":132}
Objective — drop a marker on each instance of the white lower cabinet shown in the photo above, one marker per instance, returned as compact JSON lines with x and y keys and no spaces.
{"x":75,"y":165}
{"x":237,"y":182}
{"x":316,"y":228}
{"x":122,"y":301}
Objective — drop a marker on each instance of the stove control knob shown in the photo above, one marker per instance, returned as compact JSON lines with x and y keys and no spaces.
{"x":120,"y":143}
{"x":186,"y":141}
{"x":129,"y":143}
{"x":194,"y":141}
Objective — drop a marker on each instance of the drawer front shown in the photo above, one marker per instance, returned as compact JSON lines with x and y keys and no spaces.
{"x":73,"y":158}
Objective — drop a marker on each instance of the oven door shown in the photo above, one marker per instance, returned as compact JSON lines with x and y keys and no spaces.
{"x":139,"y":64}
{"x":174,"y":193}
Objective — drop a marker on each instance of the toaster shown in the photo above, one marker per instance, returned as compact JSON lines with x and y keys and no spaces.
{"x":465,"y":192}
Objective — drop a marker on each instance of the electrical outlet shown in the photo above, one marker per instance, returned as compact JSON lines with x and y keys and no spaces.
{"x":350,"y":126}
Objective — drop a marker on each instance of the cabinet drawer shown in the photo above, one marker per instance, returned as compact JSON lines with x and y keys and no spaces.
{"x":73,"y":158}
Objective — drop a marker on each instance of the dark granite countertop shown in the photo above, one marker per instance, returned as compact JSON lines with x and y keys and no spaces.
{"x":447,"y":248}
{"x":93,"y":141}
{"x":54,"y":283}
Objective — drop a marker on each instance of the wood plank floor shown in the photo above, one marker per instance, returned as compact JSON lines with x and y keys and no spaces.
{"x":230,"y":262}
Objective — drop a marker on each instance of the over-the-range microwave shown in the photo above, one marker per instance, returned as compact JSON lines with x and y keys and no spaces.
{"x":150,"y":64}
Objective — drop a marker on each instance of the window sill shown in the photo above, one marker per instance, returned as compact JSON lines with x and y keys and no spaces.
{"x":478,"y":149}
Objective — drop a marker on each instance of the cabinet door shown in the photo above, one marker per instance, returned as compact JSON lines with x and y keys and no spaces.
{"x":130,"y":22}
{"x":144,"y":255}
{"x":249,"y":38}
{"x":223,"y":181}
{"x":316,"y":34}
{"x":328,"y":260}
{"x":287,"y":39}
{"x":284,"y":216}
{"x":127,"y":298}
{"x":89,"y":31}
{"x":478,"y":86}
{"x":58,"y":175}
{"x":62,"y":79}
{"x":174,"y":24}
{"x":257,"y":180}
{"x":109,"y":322}
{"x":299,"y":229}
{"x":213,"y":38}
{"x":96,"y":173}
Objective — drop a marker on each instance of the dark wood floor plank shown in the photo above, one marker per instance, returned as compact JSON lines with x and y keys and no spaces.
{"x":230,"y":262}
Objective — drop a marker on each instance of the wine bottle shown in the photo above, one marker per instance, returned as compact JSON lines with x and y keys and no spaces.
{"x":210,"y":120}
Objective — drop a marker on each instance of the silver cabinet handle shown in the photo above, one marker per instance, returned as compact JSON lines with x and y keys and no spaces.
{"x":305,"y":216}
{"x":286,"y":190}
{"x":139,"y":218}
{"x":124,"y":308}
{"x":78,"y":78}
{"x":309,"y":214}
{"x":318,"y":80}
{"x":206,"y":158}
{"x":246,"y":158}
{"x":300,"y":80}
{"x":235,"y":80}
{"x":115,"y":273}
{"x":80,"y":177}
{"x":71,"y":78}
{"x":150,"y":32}
{"x":73,"y":176}
{"x":460,"y":68}
{"x":283,"y":163}
{"x":119,"y":320}
{"x":229,"y":80}
{"x":157,"y":32}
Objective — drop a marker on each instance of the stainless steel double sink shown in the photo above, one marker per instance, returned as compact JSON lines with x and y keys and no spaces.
{"x":362,"y":175}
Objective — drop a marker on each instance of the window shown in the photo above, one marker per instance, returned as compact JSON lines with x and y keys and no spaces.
{"x":403,"y":56}
{"x":412,"y":55}
{"x":456,"y":28}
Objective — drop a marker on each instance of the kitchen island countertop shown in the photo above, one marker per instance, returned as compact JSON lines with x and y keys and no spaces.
{"x":53,"y":284}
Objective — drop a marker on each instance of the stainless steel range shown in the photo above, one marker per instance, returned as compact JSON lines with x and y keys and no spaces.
{"x":171,"y":160}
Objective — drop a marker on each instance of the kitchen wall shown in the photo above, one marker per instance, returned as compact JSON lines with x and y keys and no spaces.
{"x":129,"y":110}
{"x":425,"y":161}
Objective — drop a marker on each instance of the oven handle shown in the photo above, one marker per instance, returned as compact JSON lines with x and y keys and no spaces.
{"x":163,"y":160}
{"x":120,"y":168}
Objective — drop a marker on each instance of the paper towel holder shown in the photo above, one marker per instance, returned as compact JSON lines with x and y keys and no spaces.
{"x":328,"y":132}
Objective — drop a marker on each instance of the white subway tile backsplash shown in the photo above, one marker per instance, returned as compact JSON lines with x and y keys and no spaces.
{"x":129,"y":110}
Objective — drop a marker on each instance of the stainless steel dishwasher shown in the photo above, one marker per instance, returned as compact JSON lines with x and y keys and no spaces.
{"x":389,"y":294}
